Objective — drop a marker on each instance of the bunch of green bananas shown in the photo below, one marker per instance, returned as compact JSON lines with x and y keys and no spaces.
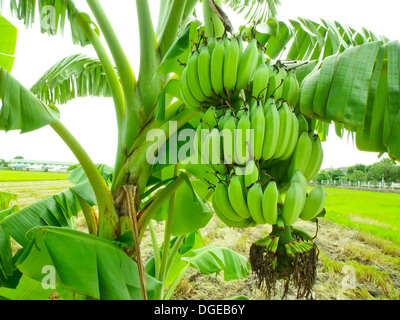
{"x":252,"y":134}
{"x":221,"y":68}
{"x":242,"y":201}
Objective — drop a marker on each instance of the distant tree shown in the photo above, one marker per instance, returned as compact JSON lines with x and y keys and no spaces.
{"x":357,"y":167}
{"x":357,"y":176}
{"x":323,"y":175}
{"x":385,"y":169}
{"x":3,"y":163}
{"x":337,"y":174}
{"x":18,"y":157}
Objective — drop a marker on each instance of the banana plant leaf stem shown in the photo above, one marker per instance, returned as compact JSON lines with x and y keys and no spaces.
{"x":171,"y":25}
{"x":108,"y":218}
{"x":159,"y":199}
{"x":167,"y":233}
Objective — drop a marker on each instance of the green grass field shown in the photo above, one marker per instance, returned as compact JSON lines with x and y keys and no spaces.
{"x":372,"y":212}
{"x":8,"y":175}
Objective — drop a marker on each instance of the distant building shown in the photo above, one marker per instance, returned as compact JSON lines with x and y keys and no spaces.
{"x":38,"y":165}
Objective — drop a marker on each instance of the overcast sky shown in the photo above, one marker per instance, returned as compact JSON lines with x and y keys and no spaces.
{"x":92,"y":120}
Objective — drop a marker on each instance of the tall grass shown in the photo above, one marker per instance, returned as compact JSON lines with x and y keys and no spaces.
{"x":372,"y":212}
{"x":8,"y":175}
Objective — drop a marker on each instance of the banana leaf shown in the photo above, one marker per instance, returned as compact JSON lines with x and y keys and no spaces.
{"x":6,"y":199}
{"x":306,"y":40}
{"x":20,"y":108}
{"x":8,"y":43}
{"x":72,"y":77}
{"x":85,"y":265}
{"x":210,"y":260}
{"x":52,"y":16}
{"x":57,"y":210}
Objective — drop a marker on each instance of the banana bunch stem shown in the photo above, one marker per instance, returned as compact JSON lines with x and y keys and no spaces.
{"x":285,"y":256}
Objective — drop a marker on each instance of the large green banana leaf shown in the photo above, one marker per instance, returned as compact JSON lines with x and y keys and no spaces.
{"x":72,"y":77}
{"x":57,"y":210}
{"x":84,"y":264}
{"x":8,"y":43}
{"x":20,"y":108}
{"x":358,"y":90}
{"x":304,"y":39}
{"x":52,"y":16}
{"x":210,"y":260}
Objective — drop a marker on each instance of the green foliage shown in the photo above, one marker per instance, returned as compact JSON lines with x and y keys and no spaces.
{"x":8,"y":43}
{"x":385,"y":169}
{"x":357,"y":167}
{"x":6,"y":199}
{"x":85,"y":264}
{"x":256,"y":10}
{"x":357,"y":176}
{"x":323,"y":175}
{"x":73,"y":77}
{"x":20,"y":109}
{"x":337,"y":174}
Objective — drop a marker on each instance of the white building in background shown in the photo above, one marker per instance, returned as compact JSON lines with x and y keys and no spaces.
{"x":38,"y":165}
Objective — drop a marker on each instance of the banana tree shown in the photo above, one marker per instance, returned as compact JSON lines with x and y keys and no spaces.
{"x":342,"y":73}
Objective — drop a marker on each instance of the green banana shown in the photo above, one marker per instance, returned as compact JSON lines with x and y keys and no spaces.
{"x":293,"y":137}
{"x":198,"y":141}
{"x":240,"y":173}
{"x":301,"y":155}
{"x":285,"y":124}
{"x":204,"y":71}
{"x":231,"y":61}
{"x":303,"y":124}
{"x":271,"y":132}
{"x":244,"y":223}
{"x":193,"y":77}
{"x":257,"y":123}
{"x":251,"y":174}
{"x":212,"y":148}
{"x":254,"y":203}
{"x":222,"y":119}
{"x":290,"y":88}
{"x":308,"y":89}
{"x":260,"y":81}
{"x":314,"y":203}
{"x":247,"y":65}
{"x":210,"y":118}
{"x":243,"y":135}
{"x":228,"y":138}
{"x":216,"y":68}
{"x":236,"y":198}
{"x":222,"y":200}
{"x":276,"y":80}
{"x":299,"y":177}
{"x":211,"y":42}
{"x":270,"y":203}
{"x":316,"y":157}
{"x":186,"y":93}
{"x":293,"y":205}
